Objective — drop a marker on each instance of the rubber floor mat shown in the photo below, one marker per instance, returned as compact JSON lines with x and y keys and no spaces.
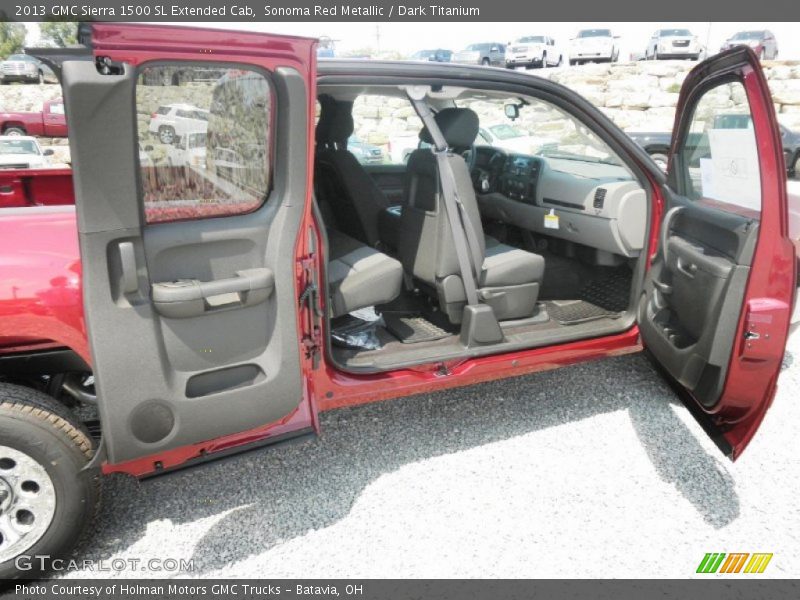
{"x":412,"y":330}
{"x":607,"y":297}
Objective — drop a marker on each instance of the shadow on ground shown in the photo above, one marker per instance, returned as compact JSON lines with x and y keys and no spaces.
{"x":277,"y":494}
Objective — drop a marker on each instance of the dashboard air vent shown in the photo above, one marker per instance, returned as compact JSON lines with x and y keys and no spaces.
{"x":599,"y":197}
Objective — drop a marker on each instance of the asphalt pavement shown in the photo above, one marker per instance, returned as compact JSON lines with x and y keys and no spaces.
{"x":589,"y":471}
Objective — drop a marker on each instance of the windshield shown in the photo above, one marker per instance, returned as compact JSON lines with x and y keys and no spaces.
{"x":587,"y":33}
{"x":747,"y":35}
{"x":545,"y":130}
{"x":674,"y":32}
{"x":531,"y":39}
{"x":506,"y":132}
{"x":18,"y":147}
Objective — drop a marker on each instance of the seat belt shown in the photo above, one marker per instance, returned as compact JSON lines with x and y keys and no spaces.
{"x":464,"y":237}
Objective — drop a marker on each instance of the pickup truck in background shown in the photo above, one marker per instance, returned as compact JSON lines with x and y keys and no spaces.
{"x":657,"y":144}
{"x":49,"y":122}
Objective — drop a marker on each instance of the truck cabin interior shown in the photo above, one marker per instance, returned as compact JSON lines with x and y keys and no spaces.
{"x":559,"y":223}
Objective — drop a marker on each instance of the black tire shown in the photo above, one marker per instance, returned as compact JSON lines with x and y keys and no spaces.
{"x":41,"y":78}
{"x":34,"y":424}
{"x":572,"y":63}
{"x":762,"y":54}
{"x":486,"y":62}
{"x":14,"y":131}
{"x":660,"y":159}
{"x":560,"y":61}
{"x":543,"y":63}
{"x":166,"y":135}
{"x":796,"y":166}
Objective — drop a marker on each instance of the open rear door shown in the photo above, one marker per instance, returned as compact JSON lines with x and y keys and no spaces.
{"x":191,"y":158}
{"x":716,"y":306}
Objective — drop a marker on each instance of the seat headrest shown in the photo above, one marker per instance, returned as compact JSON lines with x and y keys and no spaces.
{"x":327,"y":112}
{"x":342,"y":127}
{"x":459,"y":126}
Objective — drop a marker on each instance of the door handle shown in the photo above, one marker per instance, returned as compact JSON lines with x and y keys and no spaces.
{"x":191,"y":298}
{"x":127,"y":259}
{"x":688,"y":270}
{"x":665,"y":223}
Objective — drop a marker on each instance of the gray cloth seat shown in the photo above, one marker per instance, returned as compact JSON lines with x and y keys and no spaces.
{"x":508,"y":278}
{"x":352,"y":195}
{"x":359,"y":276}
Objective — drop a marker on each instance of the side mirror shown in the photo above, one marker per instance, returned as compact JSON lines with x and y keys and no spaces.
{"x":512,"y":111}
{"x":48,"y":152}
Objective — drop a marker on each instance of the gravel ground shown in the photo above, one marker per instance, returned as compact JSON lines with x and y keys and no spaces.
{"x":589,"y":471}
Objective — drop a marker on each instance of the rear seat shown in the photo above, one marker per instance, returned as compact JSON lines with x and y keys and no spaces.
{"x":359,"y":276}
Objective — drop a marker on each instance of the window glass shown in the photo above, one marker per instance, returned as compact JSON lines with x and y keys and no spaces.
{"x":720,"y":156}
{"x":203,"y":141}
{"x":544,"y":130}
{"x":57,"y":109}
{"x":386,"y":129}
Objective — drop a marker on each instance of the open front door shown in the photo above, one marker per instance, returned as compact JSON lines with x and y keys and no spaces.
{"x":717,"y":301}
{"x":191,"y":160}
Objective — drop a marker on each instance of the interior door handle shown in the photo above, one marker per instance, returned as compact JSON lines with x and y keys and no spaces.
{"x":687,"y":269}
{"x":127,"y":259}
{"x":665,"y":224}
{"x":191,"y":297}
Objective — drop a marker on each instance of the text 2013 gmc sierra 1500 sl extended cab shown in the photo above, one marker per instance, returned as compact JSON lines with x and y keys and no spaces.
{"x":210,"y":301}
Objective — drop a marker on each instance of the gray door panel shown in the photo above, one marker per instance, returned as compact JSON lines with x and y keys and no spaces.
{"x":694,"y":293}
{"x":165,"y":382}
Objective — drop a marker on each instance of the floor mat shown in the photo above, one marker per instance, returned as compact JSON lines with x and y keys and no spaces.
{"x":411,"y":330}
{"x":607,"y":297}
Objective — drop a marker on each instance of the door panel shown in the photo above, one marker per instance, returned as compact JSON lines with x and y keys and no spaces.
{"x":189,"y":268}
{"x":390,"y":179}
{"x":715,"y":308}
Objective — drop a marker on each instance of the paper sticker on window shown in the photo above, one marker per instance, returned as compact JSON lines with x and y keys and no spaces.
{"x":733,"y":175}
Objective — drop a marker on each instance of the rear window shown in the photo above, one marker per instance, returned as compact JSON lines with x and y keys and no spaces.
{"x":594,"y":33}
{"x":675,"y":32}
{"x":211,"y":158}
{"x":531,"y":39}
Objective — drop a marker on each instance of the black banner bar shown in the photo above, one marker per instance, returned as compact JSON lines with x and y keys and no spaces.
{"x":424,"y":11}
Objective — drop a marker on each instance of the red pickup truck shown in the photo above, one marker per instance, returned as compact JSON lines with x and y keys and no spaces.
{"x":49,"y":122}
{"x":211,"y":304}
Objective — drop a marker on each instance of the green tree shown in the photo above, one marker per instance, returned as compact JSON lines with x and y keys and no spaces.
{"x":59,"y":33}
{"x":12,"y":38}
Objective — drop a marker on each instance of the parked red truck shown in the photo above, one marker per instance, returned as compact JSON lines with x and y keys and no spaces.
{"x":218,"y":304}
{"x":49,"y":122}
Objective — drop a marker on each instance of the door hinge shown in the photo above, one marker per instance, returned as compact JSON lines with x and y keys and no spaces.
{"x":312,"y":344}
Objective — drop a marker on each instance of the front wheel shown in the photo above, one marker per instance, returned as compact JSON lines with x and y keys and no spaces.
{"x":166,"y":135}
{"x":560,"y":61}
{"x":485,"y":62}
{"x":14,"y":131}
{"x":47,"y":499}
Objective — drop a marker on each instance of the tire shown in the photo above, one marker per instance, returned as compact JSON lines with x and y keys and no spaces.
{"x":15,"y":131}
{"x":47,"y":449}
{"x":560,"y":61}
{"x":41,"y":78}
{"x":796,"y":166}
{"x":166,"y":135}
{"x":485,"y":62}
{"x":762,"y":54}
{"x":660,"y":159}
{"x":572,"y":62}
{"x":543,"y":63}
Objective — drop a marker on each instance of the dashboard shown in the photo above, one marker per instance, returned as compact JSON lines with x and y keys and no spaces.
{"x":599,"y":205}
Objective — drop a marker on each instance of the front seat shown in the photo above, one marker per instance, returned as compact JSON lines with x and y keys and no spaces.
{"x":353,"y":196}
{"x":508,"y":279}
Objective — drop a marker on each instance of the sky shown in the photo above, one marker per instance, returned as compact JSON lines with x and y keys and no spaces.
{"x":406,"y":38}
